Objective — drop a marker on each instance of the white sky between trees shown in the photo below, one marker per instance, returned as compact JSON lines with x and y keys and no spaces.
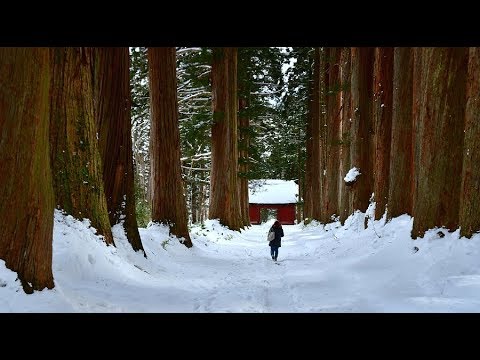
{"x":339,"y":269}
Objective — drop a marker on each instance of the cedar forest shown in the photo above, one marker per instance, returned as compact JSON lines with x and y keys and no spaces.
{"x":173,"y":135}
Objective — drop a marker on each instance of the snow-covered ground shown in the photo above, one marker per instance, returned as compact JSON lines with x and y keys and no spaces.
{"x":319,"y":269}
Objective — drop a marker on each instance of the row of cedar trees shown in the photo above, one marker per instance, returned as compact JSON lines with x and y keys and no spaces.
{"x":409,"y":119}
{"x":65,"y":142}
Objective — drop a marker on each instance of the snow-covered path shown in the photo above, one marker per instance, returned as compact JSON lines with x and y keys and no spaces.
{"x":320,"y":269}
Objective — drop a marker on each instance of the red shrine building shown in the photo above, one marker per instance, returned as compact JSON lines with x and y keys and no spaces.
{"x":279,"y":196}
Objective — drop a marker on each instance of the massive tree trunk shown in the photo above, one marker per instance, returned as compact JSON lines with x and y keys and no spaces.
{"x":382,"y":122}
{"x":361,"y":127}
{"x":400,"y":191}
{"x":168,"y":201}
{"x":244,"y":122}
{"x":470,"y":188}
{"x":345,"y":203}
{"x":439,"y":111}
{"x":76,"y":163}
{"x":224,"y":197}
{"x":332,"y":135}
{"x":26,"y":193}
{"x":112,"y":100}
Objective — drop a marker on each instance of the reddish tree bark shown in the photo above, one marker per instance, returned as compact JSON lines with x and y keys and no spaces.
{"x":26,"y":192}
{"x":112,"y":100}
{"x":76,"y":163}
{"x":345,"y":203}
{"x":332,"y":136}
{"x":316,"y":177}
{"x":400,"y":191}
{"x":168,"y":201}
{"x":224,"y":197}
{"x":470,"y":187}
{"x":307,"y":188}
{"x":382,"y":122}
{"x":439,"y":113}
{"x":232,"y":89}
{"x":361,"y":126}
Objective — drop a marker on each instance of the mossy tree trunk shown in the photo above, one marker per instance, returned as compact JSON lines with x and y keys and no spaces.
{"x":361,"y":126}
{"x":400,"y":190}
{"x":439,"y":114}
{"x":382,"y":123}
{"x":224,"y":198}
{"x":168,"y":201}
{"x":470,"y":188}
{"x":26,"y":192}
{"x":76,"y":162}
{"x":112,"y":113}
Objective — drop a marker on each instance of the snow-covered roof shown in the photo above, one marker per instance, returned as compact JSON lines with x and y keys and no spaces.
{"x":271,"y":191}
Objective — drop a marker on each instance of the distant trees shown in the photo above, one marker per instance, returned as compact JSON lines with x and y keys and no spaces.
{"x":140,"y":119}
{"x":195,"y":120}
{"x":260,"y":128}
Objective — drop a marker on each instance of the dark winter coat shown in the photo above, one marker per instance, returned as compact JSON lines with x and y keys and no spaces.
{"x":278,"y":236}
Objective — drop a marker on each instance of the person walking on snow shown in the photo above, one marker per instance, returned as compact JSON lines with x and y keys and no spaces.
{"x":277,"y":241}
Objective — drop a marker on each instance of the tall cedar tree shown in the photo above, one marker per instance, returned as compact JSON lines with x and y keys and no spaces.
{"x":382,"y":122}
{"x":112,"y":101}
{"x":317,"y":118}
{"x":312,"y":104}
{"x":140,"y":117}
{"x":168,"y":201}
{"x":26,"y":193}
{"x":470,"y":190}
{"x":332,"y":135}
{"x":244,"y":142}
{"x":438,"y":116}
{"x":292,"y":113}
{"x":76,"y":162}
{"x":361,"y":127}
{"x":224,"y":202}
{"x":400,"y":191}
{"x":232,"y":91}
{"x":245,"y":84}
{"x":345,"y":203}
{"x":195,"y":113}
